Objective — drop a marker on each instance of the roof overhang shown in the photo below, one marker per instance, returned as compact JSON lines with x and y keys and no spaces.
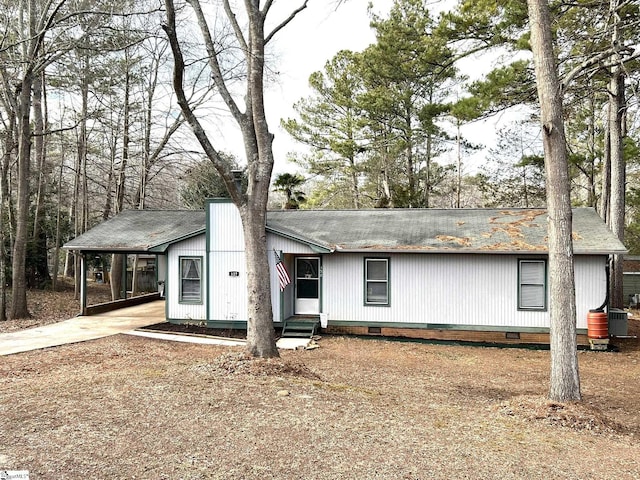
{"x":160,"y":248}
{"x":316,"y":247}
{"x":338,"y":249}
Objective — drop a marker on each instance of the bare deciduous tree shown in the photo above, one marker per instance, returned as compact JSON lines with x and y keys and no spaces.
{"x":252,"y":122}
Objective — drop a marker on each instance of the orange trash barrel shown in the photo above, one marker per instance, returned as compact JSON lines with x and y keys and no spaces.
{"x":597,"y":324}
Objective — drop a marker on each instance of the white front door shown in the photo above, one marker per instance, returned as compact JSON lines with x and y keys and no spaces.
{"x":307,"y":279}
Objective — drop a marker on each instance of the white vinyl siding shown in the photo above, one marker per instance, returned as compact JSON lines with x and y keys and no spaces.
{"x":227,"y":264}
{"x":376,"y":281}
{"x":190,"y":279}
{"x":193,"y":247}
{"x":227,"y":286}
{"x":455,"y":289}
{"x":225,"y":227}
{"x":281,"y":244}
{"x":532,"y":284}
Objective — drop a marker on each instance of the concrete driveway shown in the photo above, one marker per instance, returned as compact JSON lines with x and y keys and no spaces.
{"x":80,"y":329}
{"x":124,"y":320}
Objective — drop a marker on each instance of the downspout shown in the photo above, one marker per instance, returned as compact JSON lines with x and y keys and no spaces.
{"x":123,"y":293}
{"x":83,"y":282}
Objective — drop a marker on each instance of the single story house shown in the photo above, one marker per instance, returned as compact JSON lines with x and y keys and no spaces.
{"x":453,"y":274}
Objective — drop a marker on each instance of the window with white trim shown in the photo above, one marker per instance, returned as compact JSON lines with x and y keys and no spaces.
{"x":376,"y":281}
{"x":532,"y":284}
{"x":190,"y":280}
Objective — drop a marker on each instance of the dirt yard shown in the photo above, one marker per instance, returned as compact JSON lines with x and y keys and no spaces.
{"x":128,"y":407}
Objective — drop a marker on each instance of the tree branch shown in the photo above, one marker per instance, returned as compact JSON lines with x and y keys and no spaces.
{"x":216,"y":71}
{"x":568,"y":78}
{"x":578,"y":70}
{"x":178,"y":79}
{"x":236,"y":27}
{"x":285,"y":22}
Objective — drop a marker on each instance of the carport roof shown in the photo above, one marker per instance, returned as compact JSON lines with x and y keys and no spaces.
{"x":141,"y":231}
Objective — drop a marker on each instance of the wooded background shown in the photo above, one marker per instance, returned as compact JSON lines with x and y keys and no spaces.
{"x":90,"y":124}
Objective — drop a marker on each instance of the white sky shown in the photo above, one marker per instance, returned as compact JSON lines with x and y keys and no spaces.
{"x":304,"y":47}
{"x":307,"y":43}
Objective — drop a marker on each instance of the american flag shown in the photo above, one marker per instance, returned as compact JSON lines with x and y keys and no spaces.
{"x":283,"y":275}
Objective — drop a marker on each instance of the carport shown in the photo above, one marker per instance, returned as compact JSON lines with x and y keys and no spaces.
{"x":134,"y":232}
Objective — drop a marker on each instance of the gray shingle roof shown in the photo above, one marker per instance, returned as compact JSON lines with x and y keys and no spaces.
{"x":433,"y":230}
{"x":380,"y":230}
{"x":138,"y":231}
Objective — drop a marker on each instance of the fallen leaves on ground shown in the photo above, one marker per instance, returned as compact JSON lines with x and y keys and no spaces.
{"x":236,"y":363}
{"x":573,"y":415}
{"x":133,"y":407}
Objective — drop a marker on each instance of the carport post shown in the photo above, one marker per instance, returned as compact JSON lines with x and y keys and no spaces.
{"x":123,"y":293}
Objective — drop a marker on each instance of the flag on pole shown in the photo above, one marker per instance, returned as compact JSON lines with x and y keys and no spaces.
{"x":283,"y":275}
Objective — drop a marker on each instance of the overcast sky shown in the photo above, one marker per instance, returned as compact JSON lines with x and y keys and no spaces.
{"x":306,"y":44}
{"x":304,"y":47}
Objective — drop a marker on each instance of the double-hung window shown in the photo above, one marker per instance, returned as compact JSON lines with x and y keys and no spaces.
{"x":532,"y":284}
{"x":376,"y":281}
{"x":190,"y":279}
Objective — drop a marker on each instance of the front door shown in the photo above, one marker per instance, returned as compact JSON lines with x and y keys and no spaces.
{"x":307,"y":285}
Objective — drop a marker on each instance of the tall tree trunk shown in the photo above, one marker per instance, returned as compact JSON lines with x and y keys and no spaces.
{"x":134,"y":276}
{"x":3,"y":262}
{"x":459,"y":164}
{"x":525,"y":185}
{"x":592,"y":200}
{"x":56,"y":253}
{"x":39,"y":276}
{"x":565,"y":379}
{"x":260,"y":332}
{"x":117,"y":261}
{"x":9,"y":147}
{"x":428,"y":155}
{"x":122,"y":175}
{"x":605,"y":199}
{"x":427,"y":178}
{"x":258,"y":149}
{"x":618,"y":168}
{"x":386,"y":199}
{"x":109,"y":190}
{"x":38,"y":120}
{"x":355,"y":189}
{"x":115,"y":276}
{"x":410,"y":166}
{"x":146,"y":152}
{"x":19,"y":282}
{"x":80,"y":179}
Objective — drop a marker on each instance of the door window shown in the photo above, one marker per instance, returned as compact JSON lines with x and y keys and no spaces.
{"x":307,"y":277}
